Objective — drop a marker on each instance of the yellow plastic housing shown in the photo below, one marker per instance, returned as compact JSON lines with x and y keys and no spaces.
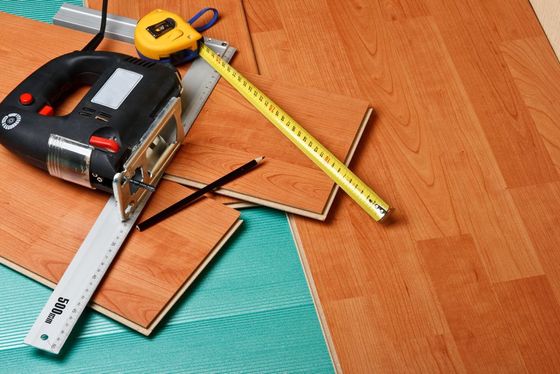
{"x":182,"y":36}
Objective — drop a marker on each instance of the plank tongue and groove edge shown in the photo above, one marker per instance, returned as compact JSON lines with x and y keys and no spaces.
{"x":46,"y":219}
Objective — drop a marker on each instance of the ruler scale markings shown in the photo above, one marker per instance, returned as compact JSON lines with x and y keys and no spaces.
{"x":320,"y":155}
{"x":77,"y":285}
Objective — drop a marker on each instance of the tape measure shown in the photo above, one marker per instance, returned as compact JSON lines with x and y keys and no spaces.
{"x":166,"y":37}
{"x":319,"y":154}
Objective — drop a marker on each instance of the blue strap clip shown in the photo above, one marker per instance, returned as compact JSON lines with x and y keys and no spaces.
{"x":182,"y":57}
{"x":207,"y":25}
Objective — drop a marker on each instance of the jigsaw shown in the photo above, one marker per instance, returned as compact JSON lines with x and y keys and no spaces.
{"x":119,"y":137}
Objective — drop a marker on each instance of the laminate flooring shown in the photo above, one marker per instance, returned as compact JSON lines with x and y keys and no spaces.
{"x":465,"y":145}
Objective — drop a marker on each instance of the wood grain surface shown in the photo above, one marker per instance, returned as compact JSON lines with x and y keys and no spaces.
{"x":465,"y":145}
{"x":465,"y":121}
{"x":46,"y":219}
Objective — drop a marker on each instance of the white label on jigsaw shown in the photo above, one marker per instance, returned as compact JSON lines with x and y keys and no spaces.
{"x":117,"y":88}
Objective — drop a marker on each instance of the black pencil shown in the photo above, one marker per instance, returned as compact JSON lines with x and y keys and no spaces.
{"x":169,"y":211}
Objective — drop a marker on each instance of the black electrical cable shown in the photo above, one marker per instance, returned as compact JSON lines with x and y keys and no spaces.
{"x":94,"y":43}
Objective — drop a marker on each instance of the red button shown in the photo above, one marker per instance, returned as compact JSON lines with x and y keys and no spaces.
{"x":26,"y":98}
{"x":47,"y":110}
{"x":104,"y":143}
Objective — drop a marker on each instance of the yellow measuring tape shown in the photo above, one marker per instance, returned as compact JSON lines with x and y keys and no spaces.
{"x":321,"y":156}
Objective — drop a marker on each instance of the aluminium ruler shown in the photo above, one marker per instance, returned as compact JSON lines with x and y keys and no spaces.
{"x":84,"y":273}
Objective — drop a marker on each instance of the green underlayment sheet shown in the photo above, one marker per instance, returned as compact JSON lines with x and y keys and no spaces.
{"x":250,"y":311}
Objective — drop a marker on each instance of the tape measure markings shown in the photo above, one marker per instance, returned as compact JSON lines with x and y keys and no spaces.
{"x":309,"y":145}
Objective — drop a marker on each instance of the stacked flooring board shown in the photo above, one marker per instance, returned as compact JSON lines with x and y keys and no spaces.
{"x":49,"y":218}
{"x":230,"y":131}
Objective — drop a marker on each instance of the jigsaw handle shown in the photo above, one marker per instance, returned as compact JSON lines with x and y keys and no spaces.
{"x":94,"y":140}
{"x":27,"y":113}
{"x":53,"y":81}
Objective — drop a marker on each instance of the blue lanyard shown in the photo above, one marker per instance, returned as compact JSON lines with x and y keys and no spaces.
{"x":209,"y":23}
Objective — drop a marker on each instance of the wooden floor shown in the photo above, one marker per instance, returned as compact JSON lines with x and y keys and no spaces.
{"x":465,"y":144}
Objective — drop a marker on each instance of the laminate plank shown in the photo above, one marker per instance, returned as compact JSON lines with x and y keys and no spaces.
{"x":473,"y":42}
{"x":472,"y":309}
{"x":541,"y":214}
{"x":230,"y":131}
{"x":374,"y":350}
{"x":317,"y":55}
{"x":148,"y":274}
{"x":502,"y":240}
{"x":452,"y":135}
{"x":447,"y":126}
{"x":231,"y":25}
{"x":534,"y":315}
{"x":536,"y":71}
{"x":49,"y":218}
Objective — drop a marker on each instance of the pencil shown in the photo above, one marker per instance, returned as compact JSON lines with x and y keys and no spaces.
{"x":169,"y":211}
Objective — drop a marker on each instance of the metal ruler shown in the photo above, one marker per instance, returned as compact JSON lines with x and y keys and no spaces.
{"x":80,"y":280}
{"x":319,"y":154}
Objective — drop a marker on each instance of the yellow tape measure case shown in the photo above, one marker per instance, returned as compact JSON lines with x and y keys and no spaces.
{"x":160,"y":34}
